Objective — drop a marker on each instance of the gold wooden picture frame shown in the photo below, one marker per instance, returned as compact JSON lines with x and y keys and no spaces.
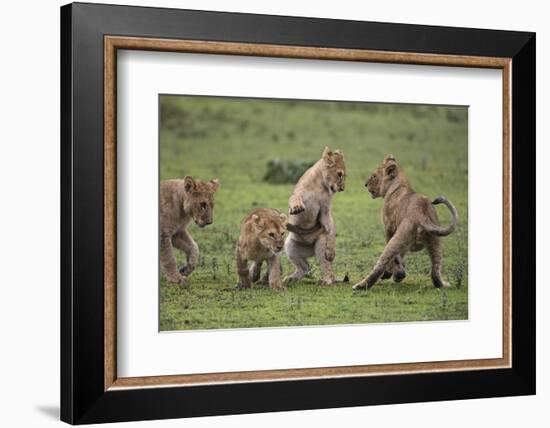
{"x":114,"y":43}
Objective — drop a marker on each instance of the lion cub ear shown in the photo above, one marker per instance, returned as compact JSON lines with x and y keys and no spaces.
{"x":283,"y":218}
{"x":390,"y":166}
{"x":258,"y":221}
{"x":391,"y":170}
{"x":215,"y":184}
{"x":328,"y":156}
{"x":189,"y":183}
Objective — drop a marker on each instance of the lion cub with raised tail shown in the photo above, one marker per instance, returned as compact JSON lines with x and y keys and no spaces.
{"x":182,"y":201}
{"x":312,"y":229}
{"x":410,"y":222}
{"x":262,"y":239}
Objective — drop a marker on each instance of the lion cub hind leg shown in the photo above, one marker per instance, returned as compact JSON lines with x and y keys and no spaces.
{"x":256,"y":276}
{"x":321,"y":246}
{"x":330,"y":247}
{"x":434,"y":247}
{"x":255,"y":271}
{"x":264,"y":280}
{"x":297,"y":254}
{"x":265,"y":277}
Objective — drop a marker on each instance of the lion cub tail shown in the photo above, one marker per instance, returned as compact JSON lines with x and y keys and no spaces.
{"x":440,"y":230}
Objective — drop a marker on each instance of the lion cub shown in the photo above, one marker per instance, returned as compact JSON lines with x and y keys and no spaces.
{"x":410,"y":223}
{"x":312,"y":230}
{"x":261,"y":239}
{"x":180,"y":202}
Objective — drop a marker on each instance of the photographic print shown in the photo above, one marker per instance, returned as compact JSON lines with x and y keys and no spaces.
{"x":282,"y":213}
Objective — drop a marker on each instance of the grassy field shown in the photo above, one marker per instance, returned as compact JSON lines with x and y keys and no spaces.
{"x":234,"y":139}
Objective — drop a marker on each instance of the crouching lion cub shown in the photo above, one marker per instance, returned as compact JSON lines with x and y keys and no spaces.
{"x":180,"y":202}
{"x":410,"y":223}
{"x":312,"y":230}
{"x":262,"y":239}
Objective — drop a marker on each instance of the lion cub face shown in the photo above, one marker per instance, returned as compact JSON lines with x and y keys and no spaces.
{"x":334,"y":171}
{"x":270,"y":229}
{"x":382,"y":178}
{"x":199,"y":199}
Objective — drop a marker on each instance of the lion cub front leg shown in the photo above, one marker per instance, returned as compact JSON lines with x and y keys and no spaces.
{"x":388,"y":272}
{"x":395,"y":268}
{"x":242,"y":270}
{"x":399,"y":269}
{"x":296,"y":204}
{"x":168,"y":261}
{"x":274,"y":269}
{"x":183,"y":241}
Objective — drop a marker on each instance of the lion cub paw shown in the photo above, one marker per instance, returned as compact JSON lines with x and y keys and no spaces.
{"x":243,"y":285}
{"x":278,"y":287}
{"x":330,"y":254}
{"x":386,"y":275}
{"x":399,"y":276}
{"x":186,"y":270}
{"x":264,"y":280}
{"x":440,"y":283}
{"x":290,"y":279}
{"x":178,"y":279}
{"x":362,"y":285}
{"x":296,"y":207}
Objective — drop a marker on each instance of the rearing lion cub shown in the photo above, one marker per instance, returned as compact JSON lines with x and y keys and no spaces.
{"x":312,"y":230}
{"x":410,"y":223}
{"x":182,"y":201}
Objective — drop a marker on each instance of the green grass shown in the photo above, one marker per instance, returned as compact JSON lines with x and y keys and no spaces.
{"x":234,"y":139}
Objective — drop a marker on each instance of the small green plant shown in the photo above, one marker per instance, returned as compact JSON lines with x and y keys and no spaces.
{"x":443,"y":299}
{"x":214,"y":268}
{"x":459,"y":275}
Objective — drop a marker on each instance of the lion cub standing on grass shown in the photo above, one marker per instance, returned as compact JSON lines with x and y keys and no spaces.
{"x":262,"y":239}
{"x":312,"y":230}
{"x":410,"y":223}
{"x":180,"y":202}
